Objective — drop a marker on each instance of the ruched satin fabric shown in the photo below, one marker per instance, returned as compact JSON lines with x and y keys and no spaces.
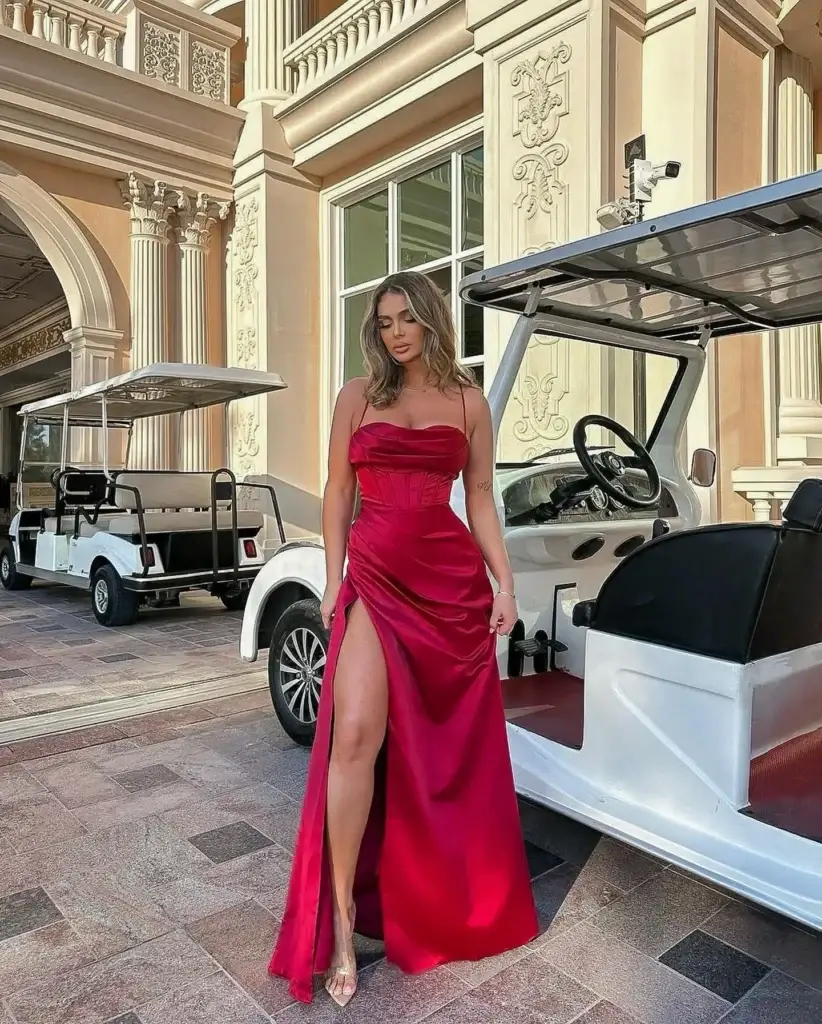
{"x":442,"y":874}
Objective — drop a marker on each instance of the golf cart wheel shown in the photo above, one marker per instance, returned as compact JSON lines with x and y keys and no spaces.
{"x":296,"y":662}
{"x":112,"y":604}
{"x":9,"y":576}
{"x":234,"y":602}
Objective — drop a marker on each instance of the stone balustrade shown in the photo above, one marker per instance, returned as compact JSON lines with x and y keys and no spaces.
{"x":71,"y":24}
{"x":161,"y":39}
{"x":768,"y":488}
{"x":355,"y":29}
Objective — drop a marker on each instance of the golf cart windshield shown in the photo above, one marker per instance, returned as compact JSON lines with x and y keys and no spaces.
{"x":563,"y":379}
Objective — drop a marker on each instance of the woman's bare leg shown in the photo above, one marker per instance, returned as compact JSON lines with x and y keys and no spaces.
{"x":360,"y":715}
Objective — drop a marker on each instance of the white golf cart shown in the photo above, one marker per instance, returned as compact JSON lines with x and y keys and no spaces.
{"x":664,"y":684}
{"x":140,"y":537}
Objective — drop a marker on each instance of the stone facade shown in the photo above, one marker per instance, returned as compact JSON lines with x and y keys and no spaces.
{"x":199,"y":214}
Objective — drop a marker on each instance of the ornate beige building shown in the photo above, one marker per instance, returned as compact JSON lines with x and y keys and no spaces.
{"x":224,"y":181}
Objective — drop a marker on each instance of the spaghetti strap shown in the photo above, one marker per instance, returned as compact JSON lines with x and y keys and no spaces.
{"x":364,"y":411}
{"x":464,"y":412}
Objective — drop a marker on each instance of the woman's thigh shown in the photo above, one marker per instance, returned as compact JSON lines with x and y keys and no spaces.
{"x":360,"y":690}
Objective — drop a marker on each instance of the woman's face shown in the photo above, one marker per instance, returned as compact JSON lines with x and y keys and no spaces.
{"x":401,"y":334}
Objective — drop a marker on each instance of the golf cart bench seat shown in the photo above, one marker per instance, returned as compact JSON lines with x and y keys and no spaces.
{"x":62,"y":524}
{"x":734,"y":591}
{"x":116,"y":504}
{"x":184,"y":498}
{"x":168,"y":490}
{"x":128,"y":524}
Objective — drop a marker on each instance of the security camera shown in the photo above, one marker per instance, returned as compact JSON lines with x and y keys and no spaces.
{"x":617,"y":214}
{"x":647,"y":175}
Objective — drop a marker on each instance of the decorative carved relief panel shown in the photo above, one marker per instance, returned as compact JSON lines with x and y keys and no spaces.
{"x":161,"y":53}
{"x":245,"y":335}
{"x":207,"y":71}
{"x":540,"y":104}
{"x":539,"y":84}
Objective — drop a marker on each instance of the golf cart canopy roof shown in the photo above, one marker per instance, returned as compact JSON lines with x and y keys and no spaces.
{"x":152,"y":391}
{"x":737,"y":265}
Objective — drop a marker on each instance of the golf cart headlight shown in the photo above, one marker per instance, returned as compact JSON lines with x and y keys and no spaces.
{"x":147,"y":557}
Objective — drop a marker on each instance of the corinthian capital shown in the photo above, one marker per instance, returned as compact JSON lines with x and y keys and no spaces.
{"x":150,"y":204}
{"x":196,"y":216}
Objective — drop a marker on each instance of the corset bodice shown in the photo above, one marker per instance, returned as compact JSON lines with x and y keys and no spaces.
{"x":404,"y":467}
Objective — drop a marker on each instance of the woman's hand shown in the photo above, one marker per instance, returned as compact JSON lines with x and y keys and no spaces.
{"x":504,"y":615}
{"x":329,"y":602}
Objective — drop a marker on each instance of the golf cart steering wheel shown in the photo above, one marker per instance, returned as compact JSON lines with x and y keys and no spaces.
{"x":607,"y":468}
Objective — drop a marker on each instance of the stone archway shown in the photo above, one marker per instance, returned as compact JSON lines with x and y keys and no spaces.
{"x":65,"y":246}
{"x":93,"y":340}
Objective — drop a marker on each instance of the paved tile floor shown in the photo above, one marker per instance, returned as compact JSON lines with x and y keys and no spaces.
{"x":54,"y":655}
{"x":142,"y":874}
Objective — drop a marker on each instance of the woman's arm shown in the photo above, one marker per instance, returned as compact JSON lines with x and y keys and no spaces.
{"x":482,"y":514}
{"x":339,"y":494}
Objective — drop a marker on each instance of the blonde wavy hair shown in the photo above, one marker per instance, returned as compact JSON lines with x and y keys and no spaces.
{"x":428,"y":306}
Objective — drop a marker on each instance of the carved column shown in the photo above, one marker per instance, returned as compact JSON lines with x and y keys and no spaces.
{"x":197,"y":215}
{"x":150,"y":204}
{"x":800,"y":384}
{"x":270,"y":26}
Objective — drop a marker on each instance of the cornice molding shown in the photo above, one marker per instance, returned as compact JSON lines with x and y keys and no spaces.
{"x":78,"y":111}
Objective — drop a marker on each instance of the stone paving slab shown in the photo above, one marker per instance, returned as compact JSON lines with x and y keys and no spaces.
{"x":54,"y":655}
{"x":158,"y":898}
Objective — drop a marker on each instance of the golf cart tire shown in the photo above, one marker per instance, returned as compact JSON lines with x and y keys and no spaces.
{"x":235,"y":602}
{"x":303,"y":615}
{"x":9,"y":576}
{"x":121,"y":605}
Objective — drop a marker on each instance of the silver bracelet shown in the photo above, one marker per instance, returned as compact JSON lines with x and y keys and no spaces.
{"x":506,"y":593}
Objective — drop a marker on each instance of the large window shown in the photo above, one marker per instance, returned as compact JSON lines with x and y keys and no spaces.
{"x":432,"y":222}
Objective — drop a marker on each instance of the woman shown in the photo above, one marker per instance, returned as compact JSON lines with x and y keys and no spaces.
{"x":410,"y":817}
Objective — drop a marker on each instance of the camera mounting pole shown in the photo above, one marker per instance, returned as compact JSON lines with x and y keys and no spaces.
{"x":634,"y":150}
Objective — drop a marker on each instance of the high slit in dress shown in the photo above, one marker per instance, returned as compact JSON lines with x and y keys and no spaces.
{"x":442,"y":873}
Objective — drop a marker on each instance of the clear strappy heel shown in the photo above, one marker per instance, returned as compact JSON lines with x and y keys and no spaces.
{"x":344,"y":972}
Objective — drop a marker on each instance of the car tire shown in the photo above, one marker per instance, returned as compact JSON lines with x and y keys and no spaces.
{"x":235,"y":602}
{"x":9,"y":576}
{"x":296,"y":662}
{"x":111,"y":603}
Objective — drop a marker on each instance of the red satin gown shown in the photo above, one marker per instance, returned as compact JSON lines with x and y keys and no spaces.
{"x":442,"y":874}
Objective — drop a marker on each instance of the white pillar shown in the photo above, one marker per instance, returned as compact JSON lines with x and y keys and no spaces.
{"x":800,"y":384}
{"x":270,"y":26}
{"x":95,"y":355}
{"x":197,"y":215}
{"x":150,"y":204}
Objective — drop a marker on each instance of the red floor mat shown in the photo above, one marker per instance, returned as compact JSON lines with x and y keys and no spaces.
{"x":786,"y":786}
{"x":549,"y":704}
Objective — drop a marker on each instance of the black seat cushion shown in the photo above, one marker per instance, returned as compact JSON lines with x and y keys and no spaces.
{"x":697,"y":590}
{"x":805,"y":506}
{"x":791,"y":613}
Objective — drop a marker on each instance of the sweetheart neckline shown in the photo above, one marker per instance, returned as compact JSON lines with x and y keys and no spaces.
{"x":413,"y":430}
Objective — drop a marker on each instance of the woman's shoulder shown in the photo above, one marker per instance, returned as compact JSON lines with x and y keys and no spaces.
{"x":353,"y":391}
{"x":475,"y":400}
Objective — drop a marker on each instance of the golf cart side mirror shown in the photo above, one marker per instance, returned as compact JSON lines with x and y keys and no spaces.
{"x":703,"y":468}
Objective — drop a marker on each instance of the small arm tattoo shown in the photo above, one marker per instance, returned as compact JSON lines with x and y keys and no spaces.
{"x":485,"y":485}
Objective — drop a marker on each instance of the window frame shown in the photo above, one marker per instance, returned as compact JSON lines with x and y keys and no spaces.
{"x":455,"y":260}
